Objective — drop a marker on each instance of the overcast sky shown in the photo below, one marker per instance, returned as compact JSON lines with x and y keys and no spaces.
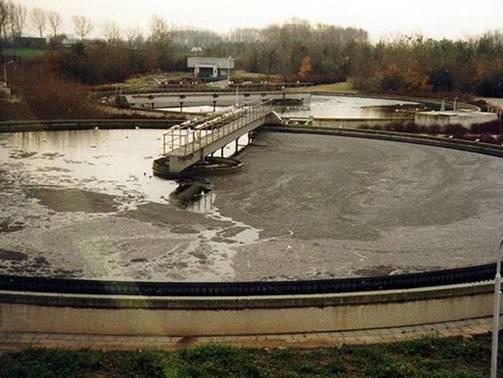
{"x":382,"y":18}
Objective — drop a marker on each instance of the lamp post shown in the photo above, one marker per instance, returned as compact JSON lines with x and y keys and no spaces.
{"x":284,"y":99}
{"x":496,"y":313}
{"x":237,"y":94}
{"x":5,"y":70}
{"x":229,"y":60}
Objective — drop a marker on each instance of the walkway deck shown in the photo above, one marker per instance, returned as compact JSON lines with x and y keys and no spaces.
{"x":191,"y":142}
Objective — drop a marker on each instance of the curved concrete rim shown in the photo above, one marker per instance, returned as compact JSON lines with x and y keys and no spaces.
{"x":462,"y":145}
{"x":424,"y":100}
{"x":29,"y":312}
{"x":206,"y":317}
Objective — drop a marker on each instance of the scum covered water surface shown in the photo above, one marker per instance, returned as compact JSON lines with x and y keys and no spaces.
{"x":84,"y":204}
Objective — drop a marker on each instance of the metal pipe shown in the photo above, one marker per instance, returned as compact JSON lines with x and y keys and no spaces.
{"x":496,"y":313}
{"x":237,"y":94}
{"x":5,"y":70}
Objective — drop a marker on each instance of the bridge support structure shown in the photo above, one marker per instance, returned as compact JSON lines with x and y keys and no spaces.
{"x":185,"y":146}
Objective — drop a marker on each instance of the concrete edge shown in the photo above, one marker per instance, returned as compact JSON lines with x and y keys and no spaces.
{"x":10,"y":341}
{"x":254,"y":302}
{"x":456,"y":144}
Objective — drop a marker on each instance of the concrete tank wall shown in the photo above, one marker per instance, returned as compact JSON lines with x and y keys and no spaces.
{"x":465,"y":119}
{"x":105,"y":315}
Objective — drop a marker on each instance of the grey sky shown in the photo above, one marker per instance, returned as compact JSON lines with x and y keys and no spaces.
{"x":382,"y":18}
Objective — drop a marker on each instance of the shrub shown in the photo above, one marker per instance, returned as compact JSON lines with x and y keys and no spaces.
{"x":441,"y":80}
{"x":491,"y":86}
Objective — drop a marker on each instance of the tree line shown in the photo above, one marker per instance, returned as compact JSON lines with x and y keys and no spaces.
{"x":294,"y":50}
{"x":14,"y":18}
{"x":417,"y":64}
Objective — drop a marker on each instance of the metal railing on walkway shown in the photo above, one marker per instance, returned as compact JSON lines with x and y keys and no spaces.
{"x":185,"y":139}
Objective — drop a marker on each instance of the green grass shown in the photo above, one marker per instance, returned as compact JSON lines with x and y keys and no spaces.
{"x":24,"y":53}
{"x":428,"y":358}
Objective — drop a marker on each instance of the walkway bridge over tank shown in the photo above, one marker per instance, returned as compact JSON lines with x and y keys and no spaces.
{"x":185,"y":100}
{"x":191,"y":142}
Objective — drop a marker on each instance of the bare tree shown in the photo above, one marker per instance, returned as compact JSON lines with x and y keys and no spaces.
{"x":245,"y":35}
{"x":55,"y":22}
{"x":17,"y":14}
{"x":159,"y":30}
{"x":194,"y":37}
{"x":4,"y":18}
{"x":39,"y":20}
{"x":83,"y":26}
{"x":134,"y":37}
{"x":112,"y":32}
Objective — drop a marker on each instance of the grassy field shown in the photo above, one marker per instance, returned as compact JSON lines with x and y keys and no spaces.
{"x":431,"y":358}
{"x":152,"y":79}
{"x":253,"y":76}
{"x":24,"y":53}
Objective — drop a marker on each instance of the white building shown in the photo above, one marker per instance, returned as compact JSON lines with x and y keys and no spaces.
{"x":210,"y":67}
{"x":4,"y":89}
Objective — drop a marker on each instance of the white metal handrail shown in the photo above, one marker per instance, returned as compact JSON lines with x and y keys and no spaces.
{"x":187,"y":138}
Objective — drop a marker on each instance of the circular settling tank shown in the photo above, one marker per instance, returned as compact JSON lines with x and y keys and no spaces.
{"x":85,"y":204}
{"x":344,"y":107}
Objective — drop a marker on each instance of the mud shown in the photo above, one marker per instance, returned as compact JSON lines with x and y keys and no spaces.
{"x":12,"y":256}
{"x":73,"y":200}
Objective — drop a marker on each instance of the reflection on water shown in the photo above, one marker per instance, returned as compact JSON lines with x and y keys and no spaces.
{"x":204,"y":204}
{"x":348,"y":107}
{"x":115,"y":162}
{"x":234,"y":147}
{"x":330,"y":107}
{"x":119,"y":162}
